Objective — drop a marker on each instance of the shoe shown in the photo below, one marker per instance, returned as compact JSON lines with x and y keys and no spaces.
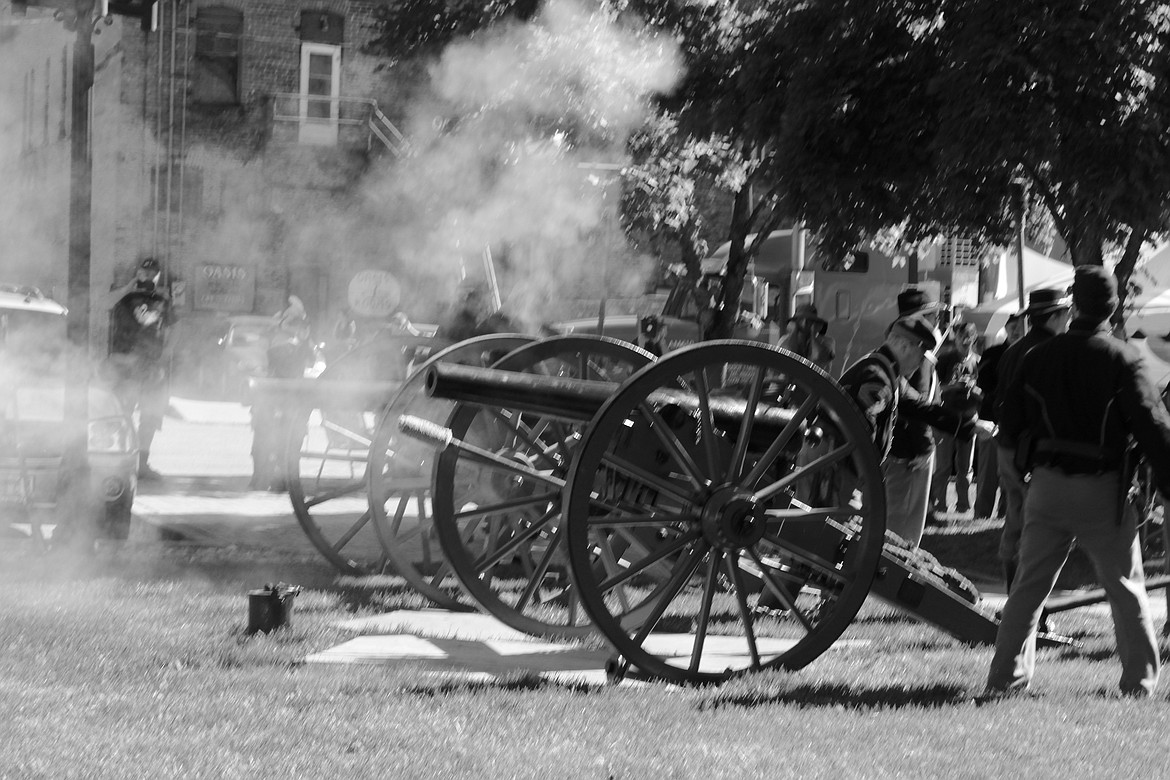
{"x":147,"y":474}
{"x":996,"y":695}
{"x":934,"y":521}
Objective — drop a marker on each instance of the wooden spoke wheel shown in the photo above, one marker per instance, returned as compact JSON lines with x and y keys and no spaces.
{"x":400,"y":474}
{"x":328,"y":445}
{"x":499,"y":519}
{"x":725,"y":513}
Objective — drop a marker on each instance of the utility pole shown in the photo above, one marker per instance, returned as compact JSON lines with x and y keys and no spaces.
{"x":80,"y":177}
{"x":80,"y":210}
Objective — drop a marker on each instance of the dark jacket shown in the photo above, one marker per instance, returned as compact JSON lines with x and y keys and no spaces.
{"x":908,"y":432}
{"x":1083,"y":396}
{"x":872,"y":383}
{"x":1009,"y":366}
{"x":988,"y":379}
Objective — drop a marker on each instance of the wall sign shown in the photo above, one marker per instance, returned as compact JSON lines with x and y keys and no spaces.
{"x":226,"y":288}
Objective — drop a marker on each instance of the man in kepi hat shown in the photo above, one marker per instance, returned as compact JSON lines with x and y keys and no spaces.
{"x":806,"y":336}
{"x":1047,"y":314}
{"x":882,"y":385}
{"x":1082,"y":398}
{"x":910,"y":464}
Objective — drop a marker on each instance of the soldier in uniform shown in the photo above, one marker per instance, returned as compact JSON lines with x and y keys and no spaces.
{"x":1047,"y":314}
{"x":881,"y":384}
{"x":910,"y":465}
{"x":985,"y":451}
{"x":1082,"y":398}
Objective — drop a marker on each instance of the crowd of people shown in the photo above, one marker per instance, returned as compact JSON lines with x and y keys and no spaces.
{"x":1058,"y":409}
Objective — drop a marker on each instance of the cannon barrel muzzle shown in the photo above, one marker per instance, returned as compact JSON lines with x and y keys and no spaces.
{"x":578,"y":400}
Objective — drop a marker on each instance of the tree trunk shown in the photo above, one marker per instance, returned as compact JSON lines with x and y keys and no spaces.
{"x":1124,"y":271}
{"x":727,"y":308}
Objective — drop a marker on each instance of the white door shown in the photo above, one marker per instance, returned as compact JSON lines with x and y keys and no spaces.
{"x":320,"y":90}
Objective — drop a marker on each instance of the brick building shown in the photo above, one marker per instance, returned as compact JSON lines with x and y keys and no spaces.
{"x":229,"y":142}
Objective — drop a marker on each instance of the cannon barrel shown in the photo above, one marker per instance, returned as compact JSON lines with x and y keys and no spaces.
{"x":578,"y":400}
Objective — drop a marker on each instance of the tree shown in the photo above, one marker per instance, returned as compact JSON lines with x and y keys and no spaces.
{"x":918,"y":113}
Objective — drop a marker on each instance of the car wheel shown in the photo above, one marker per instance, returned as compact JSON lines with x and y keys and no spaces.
{"x":117,"y":518}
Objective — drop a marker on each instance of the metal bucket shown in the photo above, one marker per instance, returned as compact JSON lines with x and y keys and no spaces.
{"x":270,"y":607}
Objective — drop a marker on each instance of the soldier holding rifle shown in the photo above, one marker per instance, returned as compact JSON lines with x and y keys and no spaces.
{"x":1082,"y":398}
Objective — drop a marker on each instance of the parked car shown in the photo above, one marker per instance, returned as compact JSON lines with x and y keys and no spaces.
{"x":244,"y":348}
{"x":51,"y":474}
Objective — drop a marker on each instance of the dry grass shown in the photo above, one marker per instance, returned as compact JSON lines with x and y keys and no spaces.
{"x":134,"y":663}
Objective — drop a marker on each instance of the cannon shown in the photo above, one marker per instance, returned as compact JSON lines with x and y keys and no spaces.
{"x":658,"y":504}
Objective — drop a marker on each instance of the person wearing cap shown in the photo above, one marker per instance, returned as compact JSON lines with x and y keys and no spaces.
{"x":987,"y":470}
{"x":140,"y":320}
{"x":910,"y":464}
{"x":1047,"y":314}
{"x":880,"y":385}
{"x":1082,"y":398}
{"x":806,"y":336}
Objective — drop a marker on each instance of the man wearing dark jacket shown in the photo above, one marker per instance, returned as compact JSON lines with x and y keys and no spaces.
{"x":880,"y":383}
{"x":910,"y":463}
{"x":1047,"y":313}
{"x":1082,"y":398}
{"x":987,"y":484}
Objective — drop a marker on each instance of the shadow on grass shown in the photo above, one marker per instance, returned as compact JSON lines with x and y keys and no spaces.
{"x":520,"y":681}
{"x":837,"y":695}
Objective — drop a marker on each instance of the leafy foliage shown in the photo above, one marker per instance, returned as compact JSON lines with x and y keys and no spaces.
{"x":410,"y":28}
{"x":919,"y":113}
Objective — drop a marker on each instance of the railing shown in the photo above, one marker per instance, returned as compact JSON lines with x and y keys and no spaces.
{"x":325,"y":119}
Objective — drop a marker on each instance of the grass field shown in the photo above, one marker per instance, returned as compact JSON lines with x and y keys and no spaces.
{"x":135,"y":663}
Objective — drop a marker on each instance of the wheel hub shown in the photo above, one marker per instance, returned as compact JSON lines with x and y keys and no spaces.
{"x":732,"y":520}
{"x":512,"y":485}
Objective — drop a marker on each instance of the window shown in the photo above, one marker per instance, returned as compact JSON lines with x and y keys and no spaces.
{"x":851,"y":262}
{"x":322,"y":34}
{"x":320,"y":90}
{"x":216,"y":79}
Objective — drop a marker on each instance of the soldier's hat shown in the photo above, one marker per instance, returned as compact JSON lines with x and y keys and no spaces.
{"x":1047,"y":300}
{"x":915,"y":300}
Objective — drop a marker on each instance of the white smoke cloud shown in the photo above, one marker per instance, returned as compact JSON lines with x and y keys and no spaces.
{"x":506,"y":154}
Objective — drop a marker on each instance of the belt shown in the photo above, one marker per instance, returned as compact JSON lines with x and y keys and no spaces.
{"x":1076,"y":457}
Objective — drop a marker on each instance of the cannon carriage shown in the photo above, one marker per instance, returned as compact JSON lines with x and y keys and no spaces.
{"x":711,"y":512}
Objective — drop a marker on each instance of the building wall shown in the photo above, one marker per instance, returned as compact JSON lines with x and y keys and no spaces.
{"x":242,"y":189}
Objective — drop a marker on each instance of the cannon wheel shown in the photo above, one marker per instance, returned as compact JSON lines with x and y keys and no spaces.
{"x":717,"y":513}
{"x":400,"y":473}
{"x":326,"y":455}
{"x":499,"y":523}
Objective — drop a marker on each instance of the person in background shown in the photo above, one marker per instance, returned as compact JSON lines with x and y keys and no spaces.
{"x":806,"y":336}
{"x":1075,"y":407}
{"x":140,"y":320}
{"x":652,"y":334}
{"x":957,"y":368}
{"x":290,"y":352}
{"x":987,"y":472}
{"x":1047,"y":314}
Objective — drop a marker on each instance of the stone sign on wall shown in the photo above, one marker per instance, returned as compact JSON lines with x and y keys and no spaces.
{"x":225,"y":288}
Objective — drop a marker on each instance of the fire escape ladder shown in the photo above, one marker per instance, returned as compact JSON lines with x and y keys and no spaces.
{"x":385,"y":131}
